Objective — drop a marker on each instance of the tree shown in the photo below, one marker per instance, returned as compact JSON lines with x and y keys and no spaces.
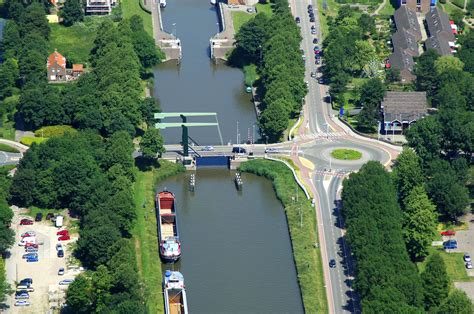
{"x":419,"y":223}
{"x":425,"y":138}
{"x":447,"y":63}
{"x":34,"y":20}
{"x":274,"y":119}
{"x":435,"y":282}
{"x":372,"y":93}
{"x":407,"y":173}
{"x":367,"y":23}
{"x":95,"y":240}
{"x":148,"y":107}
{"x":426,"y":78}
{"x":72,"y":12}
{"x":9,"y":75}
{"x":458,"y":302}
{"x":151,"y":144}
{"x":252,"y":36}
{"x":393,"y":75}
{"x":79,"y":295}
{"x":466,"y":52}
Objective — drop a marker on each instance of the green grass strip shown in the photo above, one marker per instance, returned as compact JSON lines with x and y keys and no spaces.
{"x":302,"y":224}
{"x":8,"y":149}
{"x":346,"y":154}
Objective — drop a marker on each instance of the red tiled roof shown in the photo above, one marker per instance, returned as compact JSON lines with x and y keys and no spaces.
{"x":78,"y":68}
{"x":58,"y":58}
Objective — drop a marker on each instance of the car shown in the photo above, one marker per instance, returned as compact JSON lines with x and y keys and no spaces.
{"x":22,"y":303}
{"x":49,"y":216}
{"x":39,"y":217}
{"x":307,"y":83}
{"x":61,"y":271}
{"x":60,"y":253}
{"x":62,"y":232}
{"x":313,"y":74}
{"x":59,"y":246}
{"x":32,"y":259}
{"x":30,"y":249}
{"x":297,"y":20}
{"x":64,"y":238}
{"x":468,"y":265}
{"x":316,"y":48}
{"x":311,"y":14}
{"x":30,"y":244}
{"x":26,"y":222}
{"x":310,"y":6}
{"x":311,"y":19}
{"x":66,"y":282}
{"x":208,"y":148}
{"x":28,"y":234}
{"x":30,"y":255}
{"x":318,"y":61}
{"x":238,"y":150}
{"x":332,"y":263}
{"x":26,"y":281}
{"x":451,"y":244}
{"x":23,"y":295}
{"x":313,"y":31}
{"x":250,"y":10}
{"x":448,"y":233}
{"x":467,"y":257}
{"x":315,"y":40}
{"x":270,"y":150}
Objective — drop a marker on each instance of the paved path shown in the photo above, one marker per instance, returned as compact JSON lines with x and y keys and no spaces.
{"x":380,"y":7}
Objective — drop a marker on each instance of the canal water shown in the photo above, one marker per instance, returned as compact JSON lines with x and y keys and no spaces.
{"x":236,"y":248}
{"x":198,"y":84}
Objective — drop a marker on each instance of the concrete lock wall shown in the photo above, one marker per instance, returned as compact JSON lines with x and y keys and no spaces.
{"x":220,"y":161}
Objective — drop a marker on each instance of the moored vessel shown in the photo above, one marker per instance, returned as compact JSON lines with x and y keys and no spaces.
{"x":162,"y":3}
{"x":175,"y":294}
{"x":170,"y":246}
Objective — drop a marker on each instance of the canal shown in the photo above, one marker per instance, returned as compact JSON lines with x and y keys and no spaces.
{"x":236,"y":248}
{"x":198,"y":84}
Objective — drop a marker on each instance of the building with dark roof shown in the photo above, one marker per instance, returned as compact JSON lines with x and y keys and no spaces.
{"x":405,"y":18}
{"x":440,"y":32}
{"x":403,"y":61}
{"x":401,"y":109}
{"x":417,"y":5}
{"x":405,"y":40}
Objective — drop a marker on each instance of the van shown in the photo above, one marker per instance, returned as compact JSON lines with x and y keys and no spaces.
{"x":27,"y":240}
{"x":24,"y":288}
{"x":59,"y":221}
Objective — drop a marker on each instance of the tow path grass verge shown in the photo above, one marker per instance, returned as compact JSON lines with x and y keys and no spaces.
{"x":346,"y":154}
{"x":145,"y":232}
{"x":302,"y":225}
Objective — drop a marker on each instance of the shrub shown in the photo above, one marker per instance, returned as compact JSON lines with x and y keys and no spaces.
{"x":28,"y":141}
{"x":54,"y":130}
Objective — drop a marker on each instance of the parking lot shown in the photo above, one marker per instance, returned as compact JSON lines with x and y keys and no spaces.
{"x":47,"y":293}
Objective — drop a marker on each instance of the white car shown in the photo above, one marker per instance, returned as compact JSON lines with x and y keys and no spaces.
{"x":22,"y":303}
{"x":28,"y":234}
{"x":469,"y":265}
{"x":66,"y":282}
{"x":467,"y":257}
{"x":208,"y":148}
{"x":61,"y":271}
{"x":59,"y":247}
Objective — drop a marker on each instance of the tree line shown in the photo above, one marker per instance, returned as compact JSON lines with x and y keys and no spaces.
{"x":274,"y":45}
{"x":380,"y":235}
{"x":7,"y":235}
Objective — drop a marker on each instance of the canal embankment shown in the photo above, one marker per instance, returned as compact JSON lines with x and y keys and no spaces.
{"x":223,"y":41}
{"x":303,"y":231}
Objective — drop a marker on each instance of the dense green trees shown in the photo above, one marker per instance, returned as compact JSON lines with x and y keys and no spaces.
{"x":151,"y":144}
{"x":371,"y":95}
{"x":72,"y":12}
{"x":385,"y":277}
{"x":466,"y":53}
{"x":458,"y":302}
{"x":435,"y":282}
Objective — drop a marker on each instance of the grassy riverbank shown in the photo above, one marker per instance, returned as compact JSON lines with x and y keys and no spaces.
{"x":145,"y":232}
{"x":301,"y":222}
{"x":132,"y":7}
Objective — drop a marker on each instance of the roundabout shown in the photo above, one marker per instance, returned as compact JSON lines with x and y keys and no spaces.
{"x":346,"y":154}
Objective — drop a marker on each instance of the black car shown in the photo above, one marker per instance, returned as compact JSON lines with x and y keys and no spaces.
{"x":310,"y":6}
{"x":39,"y":217}
{"x":238,"y":150}
{"x":49,"y":216}
{"x":332,"y":263}
{"x":297,"y":19}
{"x":60,"y":253}
{"x":26,"y":282}
{"x":312,"y":20}
{"x":315,"y":40}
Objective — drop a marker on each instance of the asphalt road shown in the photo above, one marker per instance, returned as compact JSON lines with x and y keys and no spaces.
{"x":9,"y":158}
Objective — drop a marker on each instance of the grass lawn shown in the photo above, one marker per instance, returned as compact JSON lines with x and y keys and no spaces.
{"x":264,"y":8}
{"x":346,"y":154}
{"x":458,"y":3}
{"x":7,"y":148}
{"x":240,"y":18}
{"x":145,"y":233}
{"x":7,"y":130}
{"x":132,"y":7}
{"x":250,"y":74}
{"x":387,"y":10}
{"x":454,"y":265}
{"x":306,"y":253}
{"x":74,"y":42}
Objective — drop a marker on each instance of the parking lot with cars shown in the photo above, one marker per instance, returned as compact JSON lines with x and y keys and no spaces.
{"x":37,"y":266}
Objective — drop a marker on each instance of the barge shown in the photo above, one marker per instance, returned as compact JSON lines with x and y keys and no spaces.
{"x":175,"y":294}
{"x":170,"y":247}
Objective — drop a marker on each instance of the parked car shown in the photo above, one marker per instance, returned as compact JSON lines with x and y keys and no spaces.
{"x":467,"y":257}
{"x":49,"y":216}
{"x":27,"y":240}
{"x":62,"y":232}
{"x":468,"y":265}
{"x":23,"y":295}
{"x":208,"y":148}
{"x":60,"y":253}
{"x":310,"y":6}
{"x":39,"y":217}
{"x":311,"y":19}
{"x":332,"y":263}
{"x":250,"y":10}
{"x":318,"y":61}
{"x":315,"y":40}
{"x":30,"y":255}
{"x":22,"y":303}
{"x":28,"y":234}
{"x":450,"y":245}
{"x":26,"y":222}
{"x":66,"y":282}
{"x":448,"y":233}
{"x":270,"y":150}
{"x":30,"y":249}
{"x":64,"y":238}
{"x":297,"y":20}
{"x":61,"y":271}
{"x":25,"y":288}
{"x":238,"y":150}
{"x":26,"y":281}
{"x":32,"y":259}
{"x":31,"y":244}
{"x":59,"y":246}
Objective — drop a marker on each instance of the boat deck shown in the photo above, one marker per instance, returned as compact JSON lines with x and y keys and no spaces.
{"x":165,"y":211}
{"x":176,"y":308}
{"x":167,"y":231}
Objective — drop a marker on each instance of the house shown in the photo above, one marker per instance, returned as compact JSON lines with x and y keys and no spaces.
{"x":56,"y":67}
{"x":401,"y":109}
{"x":405,"y":18}
{"x":77,"y":70}
{"x":417,"y":5}
{"x":440,"y":32}
{"x":405,"y":40}
{"x":403,"y":61}
{"x":100,"y":7}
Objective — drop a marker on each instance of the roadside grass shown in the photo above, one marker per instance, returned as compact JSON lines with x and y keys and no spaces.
{"x":250,"y":74}
{"x":346,"y":154}
{"x":132,"y":7}
{"x":28,"y":140}
{"x":449,"y":225}
{"x":264,"y":8}
{"x":454,"y":265}
{"x":8,"y":149}
{"x":326,"y":8}
{"x":145,"y":232}
{"x":240,"y":18}
{"x":304,"y":239}
{"x":74,"y":42}
{"x":7,"y":131}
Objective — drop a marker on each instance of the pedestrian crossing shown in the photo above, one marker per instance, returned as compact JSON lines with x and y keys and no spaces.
{"x":323,"y":136}
{"x":332,"y":172}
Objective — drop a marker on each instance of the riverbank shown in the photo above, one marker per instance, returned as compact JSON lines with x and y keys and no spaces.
{"x":145,"y":232}
{"x":302,"y":227}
